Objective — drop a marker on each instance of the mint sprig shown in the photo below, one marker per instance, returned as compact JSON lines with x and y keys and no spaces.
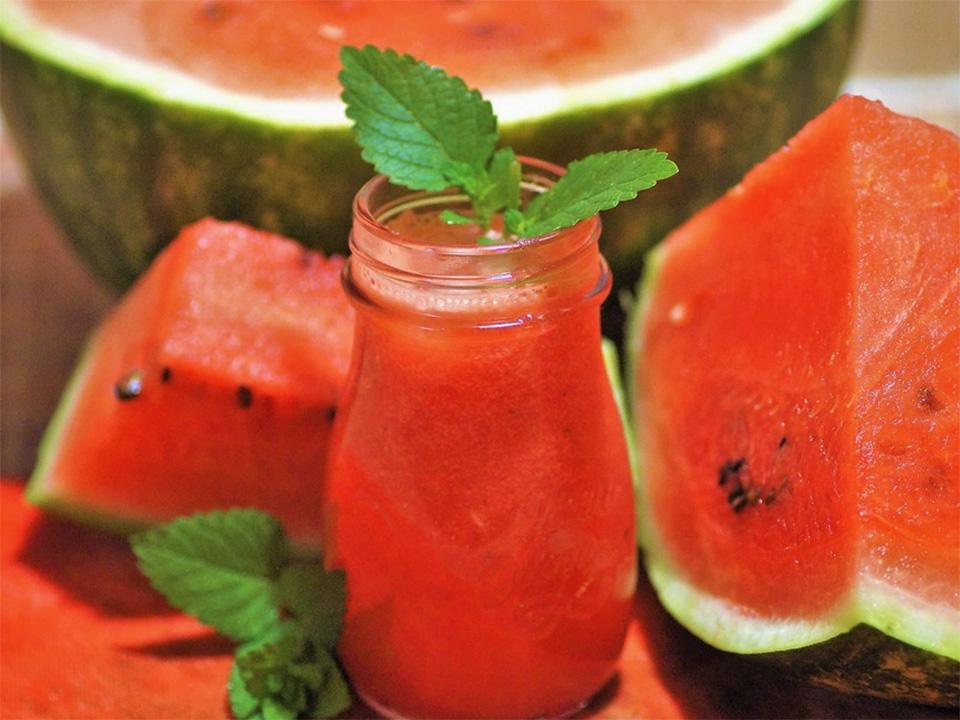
{"x":415,"y":123}
{"x":427,"y":130}
{"x":234,"y":571}
{"x":597,"y":182}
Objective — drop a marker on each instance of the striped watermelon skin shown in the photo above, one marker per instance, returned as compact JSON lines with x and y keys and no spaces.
{"x":122,"y":172}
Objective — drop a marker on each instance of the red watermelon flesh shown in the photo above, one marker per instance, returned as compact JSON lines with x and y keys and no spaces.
{"x":796,"y":393}
{"x":214,"y":383}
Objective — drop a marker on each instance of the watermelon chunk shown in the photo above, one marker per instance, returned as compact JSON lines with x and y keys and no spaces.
{"x":214,"y":383}
{"x":796,"y":373}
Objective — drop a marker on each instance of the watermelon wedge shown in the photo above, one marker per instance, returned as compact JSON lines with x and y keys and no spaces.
{"x":214,"y":383}
{"x":796,"y":394}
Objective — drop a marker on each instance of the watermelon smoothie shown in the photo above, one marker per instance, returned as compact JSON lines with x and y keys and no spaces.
{"x":479,"y":493}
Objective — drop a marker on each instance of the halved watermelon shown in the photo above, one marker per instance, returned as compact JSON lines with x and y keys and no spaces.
{"x":796,"y":363}
{"x":214,"y":383}
{"x":138,"y":117}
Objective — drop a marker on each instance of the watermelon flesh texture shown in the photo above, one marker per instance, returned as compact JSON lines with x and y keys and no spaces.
{"x":796,"y":395}
{"x":232,"y":351}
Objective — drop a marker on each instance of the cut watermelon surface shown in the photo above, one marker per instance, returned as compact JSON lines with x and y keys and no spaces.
{"x":214,"y":383}
{"x":796,"y":371}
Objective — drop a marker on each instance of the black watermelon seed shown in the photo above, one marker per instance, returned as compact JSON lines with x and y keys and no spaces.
{"x":129,"y":386}
{"x":729,"y":470}
{"x":244,"y":396}
{"x":927,"y":399}
{"x":166,"y":374}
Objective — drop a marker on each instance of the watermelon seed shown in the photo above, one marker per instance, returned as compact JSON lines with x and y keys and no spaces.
{"x":730,"y":469}
{"x":244,"y":396}
{"x":331,"y":413}
{"x":741,"y":495}
{"x":737,"y":499}
{"x":211,"y":8}
{"x":165,"y":374}
{"x":783,"y":442}
{"x":129,"y":386}
{"x":927,"y":399}
{"x":773,"y":494}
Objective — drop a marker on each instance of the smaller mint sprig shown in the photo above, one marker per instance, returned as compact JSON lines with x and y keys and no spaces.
{"x":234,"y":571}
{"x":426,"y":130}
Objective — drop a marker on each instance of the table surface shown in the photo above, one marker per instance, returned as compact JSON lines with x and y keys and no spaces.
{"x":84,"y":636}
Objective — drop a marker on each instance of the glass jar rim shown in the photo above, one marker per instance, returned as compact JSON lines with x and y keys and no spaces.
{"x":390,"y":267}
{"x":373,"y":221}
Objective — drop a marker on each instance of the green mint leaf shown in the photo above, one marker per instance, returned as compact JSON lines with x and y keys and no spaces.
{"x":513,"y":221}
{"x":502,"y":187}
{"x":454,"y":218}
{"x":263,"y":662}
{"x":264,"y":670}
{"x":283,"y":675}
{"x":219,"y":567}
{"x":423,"y":128}
{"x":597,"y":182}
{"x":235,"y":571}
{"x":333,"y":696}
{"x":317,"y":599}
{"x":273,"y":709}
{"x":243,"y":704}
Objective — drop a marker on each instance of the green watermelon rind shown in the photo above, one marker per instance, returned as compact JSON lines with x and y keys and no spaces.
{"x":123,"y":167}
{"x":611,"y":360}
{"x":893,"y":612}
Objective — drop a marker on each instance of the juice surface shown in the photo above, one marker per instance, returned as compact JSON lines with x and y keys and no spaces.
{"x":289,"y":49}
{"x":480,"y":501}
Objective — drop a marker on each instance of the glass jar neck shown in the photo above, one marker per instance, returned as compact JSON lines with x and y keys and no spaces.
{"x":405,"y":259}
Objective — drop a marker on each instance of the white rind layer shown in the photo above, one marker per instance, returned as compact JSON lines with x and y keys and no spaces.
{"x":150,"y":80}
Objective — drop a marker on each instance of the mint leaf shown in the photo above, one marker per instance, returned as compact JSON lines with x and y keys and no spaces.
{"x":234,"y":570}
{"x":242,"y":703}
{"x":273,"y":709}
{"x":501,"y":188}
{"x":454,"y":218}
{"x":284,"y":675}
{"x":317,"y":599}
{"x":428,"y":131}
{"x":333,"y":696}
{"x":263,"y":663}
{"x":423,"y":128}
{"x":597,"y":182}
{"x":219,"y":567}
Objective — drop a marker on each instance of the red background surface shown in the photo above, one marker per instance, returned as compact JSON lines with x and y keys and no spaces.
{"x":84,"y":636}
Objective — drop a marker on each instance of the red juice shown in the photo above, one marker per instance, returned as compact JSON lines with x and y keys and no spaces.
{"x":479,"y":493}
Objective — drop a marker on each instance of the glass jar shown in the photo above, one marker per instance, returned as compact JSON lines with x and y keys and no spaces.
{"x":478,"y":491}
